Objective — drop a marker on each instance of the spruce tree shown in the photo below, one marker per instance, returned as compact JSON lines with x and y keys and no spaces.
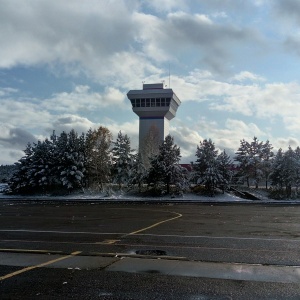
{"x":71,"y":165}
{"x":138,"y":172}
{"x":224,"y":163}
{"x":122,"y":159}
{"x":165,"y":168}
{"x":206,"y":168}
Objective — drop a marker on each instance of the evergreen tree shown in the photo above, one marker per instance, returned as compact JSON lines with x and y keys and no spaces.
{"x":122,"y":158}
{"x":71,"y":162}
{"x":206,"y":168}
{"x":41,"y":173}
{"x":254,"y":160}
{"x":6,"y":172}
{"x":242,"y":157}
{"x":224,"y":163}
{"x":290,"y":171}
{"x":19,"y":182}
{"x":267,"y":157}
{"x":285,"y":171}
{"x":165,"y":168}
{"x":297,"y":158}
{"x":137,"y":173}
{"x":276,"y":175}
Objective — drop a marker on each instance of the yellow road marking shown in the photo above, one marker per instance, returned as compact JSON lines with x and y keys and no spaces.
{"x":38,"y":266}
{"x":156,"y":224}
{"x":108,"y":242}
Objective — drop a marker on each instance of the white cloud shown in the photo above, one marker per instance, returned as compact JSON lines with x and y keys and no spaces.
{"x":68,"y":122}
{"x":167,"y":5}
{"x":245,"y":75}
{"x":82,"y":99}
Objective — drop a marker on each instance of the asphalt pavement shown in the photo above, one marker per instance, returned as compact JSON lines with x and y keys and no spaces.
{"x":149,"y":251}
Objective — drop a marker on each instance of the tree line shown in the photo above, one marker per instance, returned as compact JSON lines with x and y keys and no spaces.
{"x":71,"y":161}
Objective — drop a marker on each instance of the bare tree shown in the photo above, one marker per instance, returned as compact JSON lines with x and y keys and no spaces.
{"x":98,"y":156}
{"x":150,"y":146}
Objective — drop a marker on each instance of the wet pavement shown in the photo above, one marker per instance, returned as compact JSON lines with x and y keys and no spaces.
{"x":213,"y":250}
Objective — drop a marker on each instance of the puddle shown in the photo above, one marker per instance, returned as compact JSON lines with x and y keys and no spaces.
{"x":151,"y":252}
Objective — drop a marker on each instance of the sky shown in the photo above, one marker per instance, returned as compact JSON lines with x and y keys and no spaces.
{"x":234,"y":64}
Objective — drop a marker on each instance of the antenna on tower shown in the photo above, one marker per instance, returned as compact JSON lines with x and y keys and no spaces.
{"x":169,"y":77}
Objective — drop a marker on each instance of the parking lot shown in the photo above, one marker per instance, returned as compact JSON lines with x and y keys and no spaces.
{"x":192,"y":244}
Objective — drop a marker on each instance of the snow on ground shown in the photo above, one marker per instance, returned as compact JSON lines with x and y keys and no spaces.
{"x":120,"y":195}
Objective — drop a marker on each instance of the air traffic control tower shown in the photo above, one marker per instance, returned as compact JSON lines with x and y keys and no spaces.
{"x":155,"y":106}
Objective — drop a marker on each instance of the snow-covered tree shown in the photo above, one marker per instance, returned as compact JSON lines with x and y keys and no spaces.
{"x":122,"y":159}
{"x":41,"y":173}
{"x":267,"y":157}
{"x":98,"y":156}
{"x":138,"y":172}
{"x":206,"y":168}
{"x":224,"y":163}
{"x":276,"y":175}
{"x":242,"y":157}
{"x":285,"y":171}
{"x":71,"y":160}
{"x":164,"y":167}
{"x":254,"y":160}
{"x":6,"y":172}
{"x":19,"y":182}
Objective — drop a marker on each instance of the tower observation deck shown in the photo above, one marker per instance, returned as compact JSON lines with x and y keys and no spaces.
{"x":155,"y":106}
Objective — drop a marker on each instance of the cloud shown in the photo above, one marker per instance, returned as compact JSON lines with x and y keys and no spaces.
{"x":68,"y":122}
{"x":14,"y":136}
{"x":82,"y":99}
{"x":23,"y":112}
{"x":245,"y":75}
{"x":180,"y":32}
{"x":226,"y":136}
{"x":13,"y":141}
{"x":167,"y":5}
{"x":288,"y":10}
{"x":92,"y":39}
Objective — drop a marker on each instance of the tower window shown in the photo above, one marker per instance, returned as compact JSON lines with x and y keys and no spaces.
{"x":147,"y":102}
{"x":152,"y":102}
{"x":143,"y":102}
{"x":163,"y":101}
{"x":138,"y":102}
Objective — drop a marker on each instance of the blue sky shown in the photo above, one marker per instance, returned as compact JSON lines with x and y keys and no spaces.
{"x":69,"y":64}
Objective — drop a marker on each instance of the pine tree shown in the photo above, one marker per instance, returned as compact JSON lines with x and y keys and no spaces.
{"x":285,"y":171}
{"x":253,"y":159}
{"x":289,"y":170}
{"x":267,"y":156}
{"x":276,"y":175}
{"x":122,"y":158}
{"x":137,"y":173}
{"x":206,"y":168}
{"x":165,"y":168}
{"x":242,"y":157}
{"x":71,"y":160}
{"x":224,"y":163}
{"x":19,"y":182}
{"x":41,"y":174}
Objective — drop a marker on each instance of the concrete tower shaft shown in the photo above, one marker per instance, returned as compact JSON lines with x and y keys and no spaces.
{"x":155,"y":106}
